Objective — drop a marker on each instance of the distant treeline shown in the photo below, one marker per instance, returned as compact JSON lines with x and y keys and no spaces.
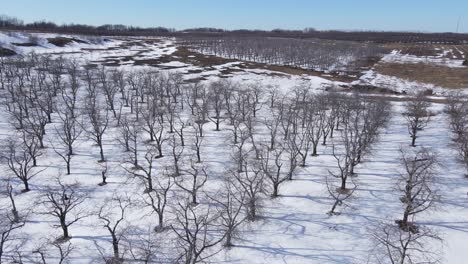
{"x":11,"y":23}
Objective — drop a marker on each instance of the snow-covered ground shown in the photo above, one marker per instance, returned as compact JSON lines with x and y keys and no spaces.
{"x":397,"y":57}
{"x":293,"y":228}
{"x":374,"y":78}
{"x":9,"y":39}
{"x":296,"y":229}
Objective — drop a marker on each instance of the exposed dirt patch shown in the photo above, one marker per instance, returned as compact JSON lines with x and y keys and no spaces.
{"x":6,"y":52}
{"x":63,"y":41}
{"x":453,"y":78}
{"x":441,"y":50}
{"x":206,"y":61}
{"x":414,"y":49}
{"x":28,"y":44}
{"x":373,"y":89}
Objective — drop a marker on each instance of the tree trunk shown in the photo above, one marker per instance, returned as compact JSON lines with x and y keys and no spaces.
{"x":198,"y":155}
{"x":26,"y":185}
{"x":101,"y":152}
{"x":150,"y":184}
{"x":314,"y":149}
{"x":252,"y":210}
{"x":275,"y":190}
{"x":228,"y":243}
{"x":115,"y":246}
{"x":68,"y":164}
{"x":343,"y":183}
{"x":161,"y":220}
{"x":194,"y":198}
{"x":64,"y":228}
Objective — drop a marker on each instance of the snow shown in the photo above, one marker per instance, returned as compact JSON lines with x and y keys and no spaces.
{"x":8,"y":38}
{"x":174,"y":64}
{"x":397,"y":57}
{"x":294,"y":228}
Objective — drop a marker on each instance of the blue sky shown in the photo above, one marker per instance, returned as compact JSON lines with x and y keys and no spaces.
{"x":414,"y":15}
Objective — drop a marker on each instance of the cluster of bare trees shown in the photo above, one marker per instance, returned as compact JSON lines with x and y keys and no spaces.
{"x":161,"y":125}
{"x":457,"y":109}
{"x":321,"y":55}
{"x":406,"y":241}
{"x":360,"y":121}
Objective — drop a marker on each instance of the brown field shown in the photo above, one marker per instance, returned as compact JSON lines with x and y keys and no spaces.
{"x":452,"y":78}
{"x":454,"y":51}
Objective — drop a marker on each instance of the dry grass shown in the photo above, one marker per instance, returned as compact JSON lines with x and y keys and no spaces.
{"x":452,"y":51}
{"x":63,"y":41}
{"x":453,"y":78}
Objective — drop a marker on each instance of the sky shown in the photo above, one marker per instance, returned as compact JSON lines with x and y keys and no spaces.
{"x":399,"y":15}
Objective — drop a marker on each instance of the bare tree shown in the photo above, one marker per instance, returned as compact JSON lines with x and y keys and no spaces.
{"x":271,"y":165}
{"x":64,"y":250}
{"x":54,"y":250}
{"x":216,"y":100}
{"x":240,"y":149}
{"x":457,"y":109}
{"x":109,"y":88}
{"x":181,"y":124}
{"x":230,"y":206}
{"x":154,"y":124}
{"x":68,"y":132}
{"x":8,"y":232}
{"x":35,"y":123}
{"x":417,"y":115}
{"x":196,"y":232}
{"x":70,"y":96}
{"x":200,"y":118}
{"x":97,"y":123}
{"x":8,"y":190}
{"x":145,"y":247}
{"x":272,"y":124}
{"x":129,"y":137}
{"x":316,"y":116}
{"x":64,"y":204}
{"x":396,"y":246}
{"x":343,"y":161}
{"x":192,"y":180}
{"x":338,"y":195}
{"x":197,"y":142}
{"x":416,"y":183}
{"x":20,"y":163}
{"x":251,"y":183}
{"x":463,"y":150}
{"x":32,"y":146}
{"x":145,"y":172}
{"x":157,"y":200}
{"x":177,"y":151}
{"x":113,"y":220}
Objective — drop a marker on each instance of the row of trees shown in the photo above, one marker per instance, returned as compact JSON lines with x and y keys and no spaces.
{"x":13,"y":23}
{"x":457,"y":108}
{"x":160,"y":124}
{"x":8,"y":22}
{"x":321,"y":55}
